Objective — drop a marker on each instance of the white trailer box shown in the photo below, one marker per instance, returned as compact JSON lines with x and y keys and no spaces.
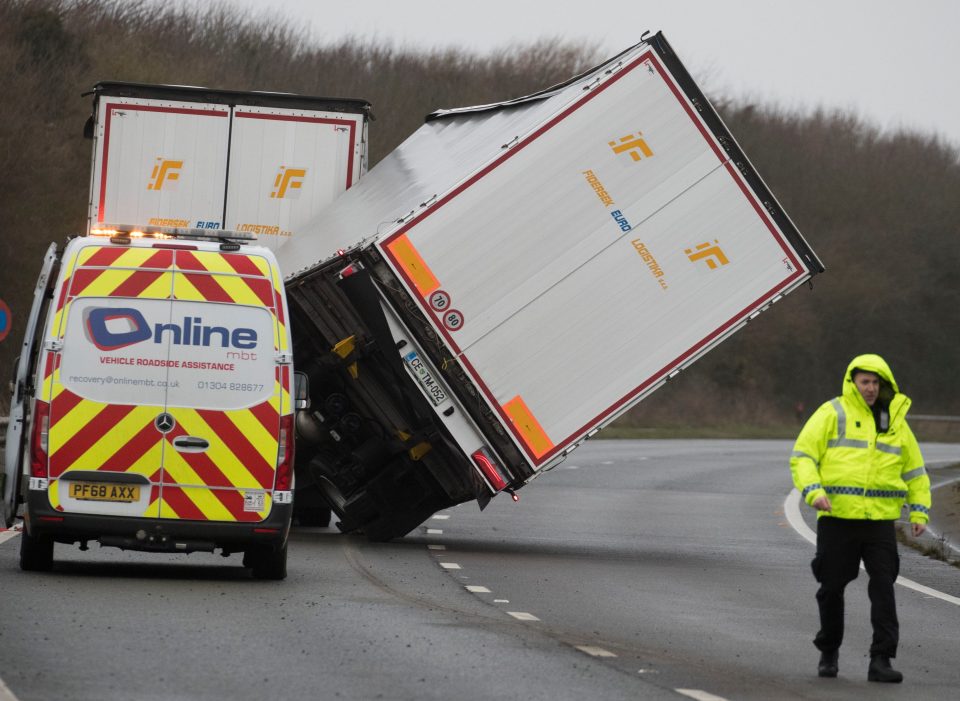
{"x":255,"y":162}
{"x":553,"y":259}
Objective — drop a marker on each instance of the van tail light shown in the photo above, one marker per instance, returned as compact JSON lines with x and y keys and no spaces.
{"x":39,"y":439}
{"x":285,"y":455}
{"x":489,"y":469}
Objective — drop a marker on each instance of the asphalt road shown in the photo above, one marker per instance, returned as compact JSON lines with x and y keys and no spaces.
{"x":637,"y":569}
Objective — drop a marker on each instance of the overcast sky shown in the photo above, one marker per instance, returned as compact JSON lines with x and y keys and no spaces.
{"x":892,"y":62}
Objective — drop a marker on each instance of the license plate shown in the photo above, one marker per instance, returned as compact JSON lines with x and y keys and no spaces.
{"x":434,"y":391}
{"x":95,"y":491}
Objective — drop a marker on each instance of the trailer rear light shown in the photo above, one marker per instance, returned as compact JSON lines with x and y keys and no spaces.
{"x":351,"y":269}
{"x":39,"y":439}
{"x":285,"y":455}
{"x":488,"y":468}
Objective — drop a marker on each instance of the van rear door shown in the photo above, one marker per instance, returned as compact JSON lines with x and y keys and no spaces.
{"x":104,"y":379}
{"x":228,"y":381}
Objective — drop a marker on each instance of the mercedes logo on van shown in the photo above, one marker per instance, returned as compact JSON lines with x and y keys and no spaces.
{"x":164,"y":423}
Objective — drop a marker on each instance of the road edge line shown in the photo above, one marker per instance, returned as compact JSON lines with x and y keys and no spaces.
{"x":791,"y":508}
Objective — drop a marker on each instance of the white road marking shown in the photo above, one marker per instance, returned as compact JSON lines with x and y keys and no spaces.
{"x":572,"y":467}
{"x":477,"y":589}
{"x":791,"y":507}
{"x":501,"y":601}
{"x":699,"y":694}
{"x":523,"y":616}
{"x":594,"y":651}
{"x":436,"y":547}
{"x":441,"y":517}
{"x":450,"y":566}
{"x":5,"y":693}
{"x":7,"y":535}
{"x":434,"y":531}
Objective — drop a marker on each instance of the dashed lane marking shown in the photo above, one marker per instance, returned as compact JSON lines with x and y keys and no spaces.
{"x":434,"y":531}
{"x":450,"y":566}
{"x":441,"y":517}
{"x":476,"y":589}
{"x":594,"y":651}
{"x":699,"y":695}
{"x":523,"y":616}
{"x":436,"y":547}
{"x":501,"y":601}
{"x":792,"y":508}
{"x":4,"y":537}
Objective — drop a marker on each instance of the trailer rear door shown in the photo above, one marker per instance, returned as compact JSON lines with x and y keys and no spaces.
{"x":601,"y":253}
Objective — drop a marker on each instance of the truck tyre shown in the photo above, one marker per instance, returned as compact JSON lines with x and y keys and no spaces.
{"x":266,"y":562}
{"x":36,"y":553}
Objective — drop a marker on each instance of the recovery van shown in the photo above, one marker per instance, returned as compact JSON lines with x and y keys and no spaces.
{"x":151,"y":401}
{"x":157,"y":399}
{"x":514,"y":277}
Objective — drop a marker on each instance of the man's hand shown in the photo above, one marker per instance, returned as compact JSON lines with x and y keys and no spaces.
{"x":918,"y":529}
{"x":823,"y":504}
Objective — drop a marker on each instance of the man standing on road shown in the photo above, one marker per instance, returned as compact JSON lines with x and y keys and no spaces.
{"x":856,"y":461}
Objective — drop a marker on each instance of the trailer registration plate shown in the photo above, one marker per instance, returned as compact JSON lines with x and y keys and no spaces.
{"x":95,"y":491}
{"x":422,"y":375}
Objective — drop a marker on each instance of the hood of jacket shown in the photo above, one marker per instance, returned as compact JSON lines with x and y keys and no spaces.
{"x":899,"y":403}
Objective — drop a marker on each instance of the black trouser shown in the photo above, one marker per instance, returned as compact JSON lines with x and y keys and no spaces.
{"x":841,"y":544}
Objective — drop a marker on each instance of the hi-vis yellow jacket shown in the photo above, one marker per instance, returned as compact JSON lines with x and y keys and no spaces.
{"x":866,"y":475}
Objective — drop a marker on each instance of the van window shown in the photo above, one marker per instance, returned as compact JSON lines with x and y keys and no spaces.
{"x":179,"y":353}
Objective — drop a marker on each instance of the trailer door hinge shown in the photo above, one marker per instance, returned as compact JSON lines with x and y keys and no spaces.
{"x":283,"y":358}
{"x":55,"y":346}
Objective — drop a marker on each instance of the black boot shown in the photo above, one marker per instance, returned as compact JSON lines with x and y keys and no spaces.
{"x":828,"y":664}
{"x":881,"y":671}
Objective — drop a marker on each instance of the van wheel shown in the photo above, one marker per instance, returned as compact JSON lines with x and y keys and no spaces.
{"x":266,"y":562}
{"x":36,"y":552}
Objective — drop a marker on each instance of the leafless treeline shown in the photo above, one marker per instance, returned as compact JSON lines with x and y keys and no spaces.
{"x":880,"y":209}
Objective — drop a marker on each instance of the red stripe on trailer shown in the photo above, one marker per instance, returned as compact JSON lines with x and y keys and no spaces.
{"x":349,"y":123}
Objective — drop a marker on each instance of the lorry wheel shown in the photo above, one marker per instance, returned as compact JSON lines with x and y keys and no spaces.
{"x":266,"y":562}
{"x":36,"y":553}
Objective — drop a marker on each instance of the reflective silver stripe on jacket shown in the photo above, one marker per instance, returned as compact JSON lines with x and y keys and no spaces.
{"x":885,"y":448}
{"x":809,"y":488}
{"x":861,"y":492}
{"x":841,"y":417}
{"x":801,"y":454}
{"x":847,"y":443}
{"x":913,"y":474}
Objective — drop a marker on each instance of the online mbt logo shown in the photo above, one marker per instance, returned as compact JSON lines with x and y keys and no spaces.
{"x":632,"y":144}
{"x":110,"y":329}
{"x":712,"y":254}
{"x":165,"y":172}
{"x":288,"y":183}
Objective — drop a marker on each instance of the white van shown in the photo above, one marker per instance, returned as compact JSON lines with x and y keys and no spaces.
{"x":162,"y":417}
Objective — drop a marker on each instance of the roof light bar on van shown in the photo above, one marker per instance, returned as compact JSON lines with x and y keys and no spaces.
{"x":170,"y":232}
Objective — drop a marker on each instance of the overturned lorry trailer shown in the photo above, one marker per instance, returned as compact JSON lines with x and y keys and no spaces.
{"x":514,"y":277}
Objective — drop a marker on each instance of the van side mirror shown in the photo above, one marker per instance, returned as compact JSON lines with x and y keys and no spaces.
{"x":301,"y":391}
